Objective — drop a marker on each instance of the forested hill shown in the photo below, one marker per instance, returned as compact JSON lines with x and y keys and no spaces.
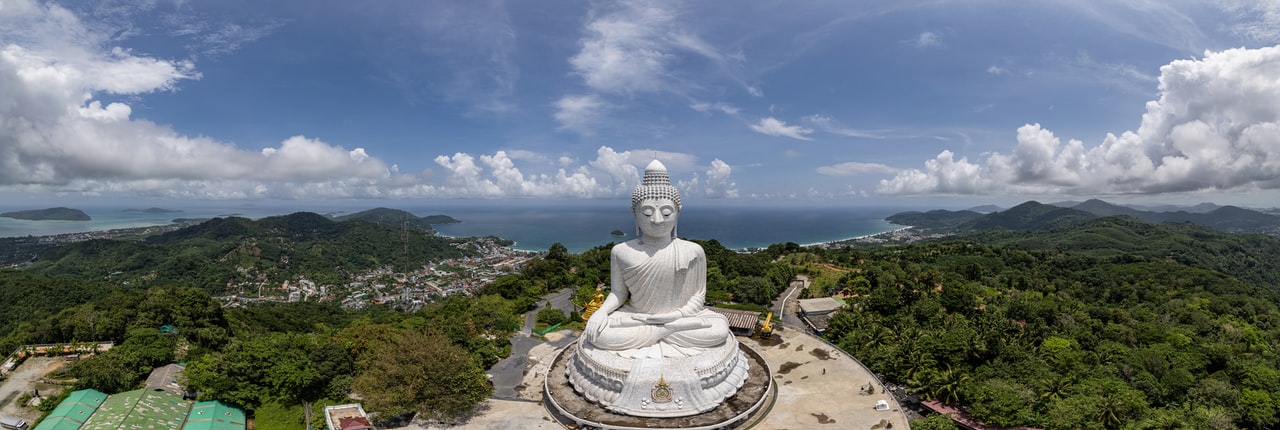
{"x":222,"y":250}
{"x":1250,"y":257}
{"x":397,"y":218}
{"x":1034,"y":215}
{"x":60,"y":214}
{"x":1112,"y":323}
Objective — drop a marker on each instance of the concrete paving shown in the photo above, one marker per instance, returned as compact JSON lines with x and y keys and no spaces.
{"x":26,"y":379}
{"x":817,"y":387}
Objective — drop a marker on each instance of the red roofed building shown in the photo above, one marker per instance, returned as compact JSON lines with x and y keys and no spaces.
{"x":355,"y":423}
{"x":350,"y":416}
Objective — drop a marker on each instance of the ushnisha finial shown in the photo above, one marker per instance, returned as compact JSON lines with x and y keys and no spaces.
{"x":656,"y":184}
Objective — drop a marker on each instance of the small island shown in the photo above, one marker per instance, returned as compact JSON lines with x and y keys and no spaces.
{"x":51,"y":214}
{"x":617,"y":233}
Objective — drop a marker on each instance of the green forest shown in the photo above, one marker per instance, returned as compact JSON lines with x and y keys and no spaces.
{"x":1110,"y":323}
{"x":1114,"y":323}
{"x":224,"y":251}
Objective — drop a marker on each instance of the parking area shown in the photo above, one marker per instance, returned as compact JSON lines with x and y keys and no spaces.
{"x":27,"y":379}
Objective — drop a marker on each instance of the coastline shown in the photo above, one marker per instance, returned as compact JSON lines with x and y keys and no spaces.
{"x":535,"y":229}
{"x":857,"y":238}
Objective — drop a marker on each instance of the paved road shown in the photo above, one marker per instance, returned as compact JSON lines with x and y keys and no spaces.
{"x":508,"y":373}
{"x":786,"y":306}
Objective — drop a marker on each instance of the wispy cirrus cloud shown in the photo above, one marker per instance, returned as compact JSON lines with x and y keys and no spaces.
{"x":855,"y":168}
{"x":926,"y":39}
{"x":825,"y":123}
{"x":631,"y":48}
{"x":580,"y":113}
{"x":706,"y":107}
{"x":773,"y":127}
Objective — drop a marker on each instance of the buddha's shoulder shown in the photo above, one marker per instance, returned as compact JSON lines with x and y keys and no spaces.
{"x":689,"y":245}
{"x":634,"y":246}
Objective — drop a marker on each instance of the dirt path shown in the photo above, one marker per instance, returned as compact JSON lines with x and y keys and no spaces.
{"x":26,"y":379}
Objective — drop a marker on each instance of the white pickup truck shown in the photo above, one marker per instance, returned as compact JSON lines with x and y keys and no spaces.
{"x":13,"y":423}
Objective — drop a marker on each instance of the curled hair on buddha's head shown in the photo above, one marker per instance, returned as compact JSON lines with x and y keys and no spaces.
{"x":656,"y":185}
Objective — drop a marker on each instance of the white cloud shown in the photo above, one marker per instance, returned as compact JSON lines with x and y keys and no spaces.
{"x":705,"y":107}
{"x":580,"y":114}
{"x":926,"y":39}
{"x":55,"y":134}
{"x":628,"y":47}
{"x":855,"y":168}
{"x":755,"y":91}
{"x":610,"y":174}
{"x":719,"y":183}
{"x":1215,"y":126}
{"x":1259,"y":20}
{"x":997,"y":70}
{"x":828,"y":125}
{"x":773,"y":127}
{"x":631,"y":48}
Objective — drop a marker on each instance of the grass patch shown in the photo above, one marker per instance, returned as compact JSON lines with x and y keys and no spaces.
{"x":276,"y":416}
{"x":743,"y":307}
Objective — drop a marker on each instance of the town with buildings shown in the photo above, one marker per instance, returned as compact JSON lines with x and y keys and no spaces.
{"x":384,"y":286}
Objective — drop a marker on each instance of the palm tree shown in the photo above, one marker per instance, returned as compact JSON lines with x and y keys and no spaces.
{"x":948,"y":385}
{"x":1053,"y":388}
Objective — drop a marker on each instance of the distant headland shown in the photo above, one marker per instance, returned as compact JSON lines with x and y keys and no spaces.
{"x":50,"y":214}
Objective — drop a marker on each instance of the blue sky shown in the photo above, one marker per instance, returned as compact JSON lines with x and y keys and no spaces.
{"x":848,"y":102}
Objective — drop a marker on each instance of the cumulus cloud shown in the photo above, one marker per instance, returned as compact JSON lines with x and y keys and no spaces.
{"x":855,"y":168}
{"x":56,"y":133}
{"x":773,"y":127}
{"x":610,"y":174}
{"x":1215,"y":126}
{"x":719,"y":183}
{"x":997,"y":70}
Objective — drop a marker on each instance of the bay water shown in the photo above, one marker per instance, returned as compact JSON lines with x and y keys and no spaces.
{"x":534,"y":225}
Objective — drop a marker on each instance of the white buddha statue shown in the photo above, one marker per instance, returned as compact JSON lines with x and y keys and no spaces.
{"x":652,"y":348}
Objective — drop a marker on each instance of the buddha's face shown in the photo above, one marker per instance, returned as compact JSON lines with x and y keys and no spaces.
{"x":657,"y":217}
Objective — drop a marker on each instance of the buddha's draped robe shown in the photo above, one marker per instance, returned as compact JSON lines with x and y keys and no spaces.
{"x":673,"y":278}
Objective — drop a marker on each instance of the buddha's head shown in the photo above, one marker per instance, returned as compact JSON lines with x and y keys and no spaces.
{"x":655,"y":203}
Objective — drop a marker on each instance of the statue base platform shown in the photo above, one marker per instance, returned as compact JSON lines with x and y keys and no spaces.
{"x":571,"y":407}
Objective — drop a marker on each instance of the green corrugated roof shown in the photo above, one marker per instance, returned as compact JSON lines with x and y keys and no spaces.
{"x":88,"y":397}
{"x":140,"y":409}
{"x":58,"y":423}
{"x":73,"y":411}
{"x":214,"y":415}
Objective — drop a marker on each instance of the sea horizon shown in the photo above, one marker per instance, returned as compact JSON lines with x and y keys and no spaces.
{"x":532,"y":225}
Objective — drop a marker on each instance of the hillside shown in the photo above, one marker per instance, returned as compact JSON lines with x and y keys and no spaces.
{"x":1034,"y":215}
{"x":1031,"y":215}
{"x":50,"y":214}
{"x":396,"y":218}
{"x":935,"y":219}
{"x":1251,"y":257}
{"x":1110,"y":323}
{"x":222,"y":250}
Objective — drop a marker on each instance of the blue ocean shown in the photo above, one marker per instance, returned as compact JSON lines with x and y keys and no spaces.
{"x":738,"y":225}
{"x":533,"y":225}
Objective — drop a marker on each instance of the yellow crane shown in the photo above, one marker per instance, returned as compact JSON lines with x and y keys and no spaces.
{"x":766,"y":329}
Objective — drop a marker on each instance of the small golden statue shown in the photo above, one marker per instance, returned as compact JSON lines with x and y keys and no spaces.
{"x":594,"y":303}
